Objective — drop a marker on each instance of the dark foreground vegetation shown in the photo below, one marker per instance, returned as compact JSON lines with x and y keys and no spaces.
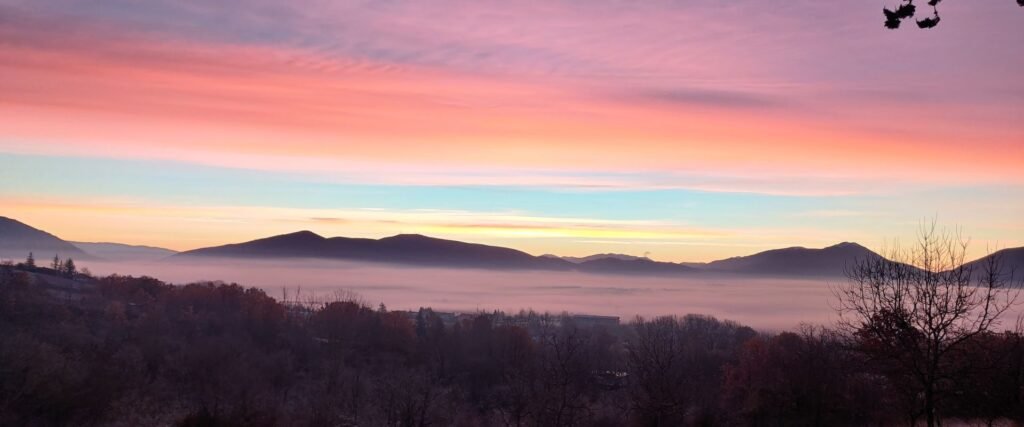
{"x":134,"y":351}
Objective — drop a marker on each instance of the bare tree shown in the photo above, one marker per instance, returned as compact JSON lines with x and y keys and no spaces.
{"x":915,"y":312}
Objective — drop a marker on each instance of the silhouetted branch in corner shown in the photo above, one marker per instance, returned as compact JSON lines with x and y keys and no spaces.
{"x":906,"y":10}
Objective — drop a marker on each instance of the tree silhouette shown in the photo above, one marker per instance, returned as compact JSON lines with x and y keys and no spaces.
{"x":30,"y":261}
{"x":915,"y":313}
{"x":69,"y":268}
{"x":906,"y":10}
{"x":227,"y":355}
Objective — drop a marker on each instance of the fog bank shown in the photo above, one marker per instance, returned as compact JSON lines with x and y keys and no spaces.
{"x":757,"y":302}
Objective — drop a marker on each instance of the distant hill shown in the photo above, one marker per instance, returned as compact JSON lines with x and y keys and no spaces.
{"x":796,"y":261}
{"x":644,"y":266}
{"x":17,"y":239}
{"x":422,"y":250}
{"x":404,"y":248}
{"x":123,"y":252}
{"x":1011,"y":261}
{"x":578,"y":260}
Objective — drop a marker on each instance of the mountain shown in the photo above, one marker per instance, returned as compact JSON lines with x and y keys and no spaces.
{"x":293,"y":245}
{"x":422,"y":250}
{"x":17,"y":239}
{"x":795,"y":261}
{"x":578,"y":260}
{"x":123,"y":252}
{"x":612,"y":263}
{"x":403,"y":248}
{"x":417,"y":249}
{"x":1011,"y":261}
{"x":634,"y":265}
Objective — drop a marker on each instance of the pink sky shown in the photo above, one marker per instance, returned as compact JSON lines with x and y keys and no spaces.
{"x":797,"y":98}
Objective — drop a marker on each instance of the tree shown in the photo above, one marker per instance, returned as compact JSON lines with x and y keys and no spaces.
{"x":804,"y":378}
{"x":676,"y":367}
{"x":30,"y":262}
{"x":915,"y":312}
{"x":907,"y":9}
{"x":56,"y":265}
{"x":69,"y":268}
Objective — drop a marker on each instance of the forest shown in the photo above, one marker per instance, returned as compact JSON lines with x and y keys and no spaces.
{"x":122,"y":350}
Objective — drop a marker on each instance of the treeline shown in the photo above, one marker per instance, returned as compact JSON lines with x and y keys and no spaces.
{"x":136,"y":351}
{"x":58,"y":266}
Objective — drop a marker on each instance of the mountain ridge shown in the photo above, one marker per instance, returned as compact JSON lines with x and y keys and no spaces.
{"x":827,"y":261}
{"x":1011,"y":261}
{"x":18,"y":239}
{"x":582,"y":259}
{"x":123,"y":252}
{"x":423,"y":250}
{"x":402,"y":248}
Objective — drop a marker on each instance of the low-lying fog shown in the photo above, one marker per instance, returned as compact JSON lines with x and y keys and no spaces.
{"x":760,"y":303}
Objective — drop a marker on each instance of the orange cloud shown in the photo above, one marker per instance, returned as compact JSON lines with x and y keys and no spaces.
{"x":111,"y":92}
{"x":187,"y":227}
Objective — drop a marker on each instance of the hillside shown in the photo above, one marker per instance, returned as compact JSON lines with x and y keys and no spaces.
{"x":1011,"y":262}
{"x":795,"y":261}
{"x":404,"y":248}
{"x":17,"y":239}
{"x":122,"y":252}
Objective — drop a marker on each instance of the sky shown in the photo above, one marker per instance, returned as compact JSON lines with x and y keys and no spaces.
{"x":681,"y":130}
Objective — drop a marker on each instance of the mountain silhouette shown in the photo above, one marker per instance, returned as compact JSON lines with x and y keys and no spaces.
{"x":404,"y":249}
{"x":796,"y":261}
{"x":1011,"y":262}
{"x":578,"y":260}
{"x":17,"y":239}
{"x":417,"y":249}
{"x":422,"y":250}
{"x":646,"y":266}
{"x":122,"y":252}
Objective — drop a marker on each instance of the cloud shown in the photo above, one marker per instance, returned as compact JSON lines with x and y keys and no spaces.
{"x":710,"y":97}
{"x":116,"y":220}
{"x":805,"y":99}
{"x":573,"y":91}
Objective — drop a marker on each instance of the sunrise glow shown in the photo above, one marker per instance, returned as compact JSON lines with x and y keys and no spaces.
{"x":690,"y":132}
